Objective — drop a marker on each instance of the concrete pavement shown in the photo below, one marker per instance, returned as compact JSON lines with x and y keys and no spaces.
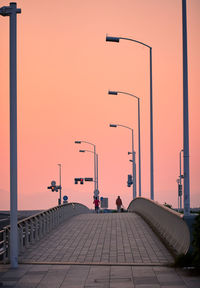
{"x":89,"y":276}
{"x":98,"y":251}
{"x":122,"y":238}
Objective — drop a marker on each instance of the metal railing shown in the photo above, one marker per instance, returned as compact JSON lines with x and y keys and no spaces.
{"x":35,"y":227}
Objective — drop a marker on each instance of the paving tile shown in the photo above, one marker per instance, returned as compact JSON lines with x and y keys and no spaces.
{"x":147,"y":286}
{"x":174,"y":286}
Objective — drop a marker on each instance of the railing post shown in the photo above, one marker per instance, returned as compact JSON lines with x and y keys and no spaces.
{"x":39,"y":227}
{"x":53,"y":217}
{"x":4,"y":246}
{"x":45,"y":223}
{"x":36,"y":229}
{"x":26,"y":234}
{"x":31,"y":231}
{"x":20,"y":233}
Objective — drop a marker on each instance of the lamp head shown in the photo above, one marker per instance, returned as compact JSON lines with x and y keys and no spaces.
{"x":77,"y":142}
{"x":113,"y":125}
{"x":112,"y":39}
{"x":112,"y":92}
{"x":82,"y":151}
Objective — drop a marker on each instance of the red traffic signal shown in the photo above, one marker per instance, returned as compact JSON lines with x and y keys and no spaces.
{"x":76,"y":180}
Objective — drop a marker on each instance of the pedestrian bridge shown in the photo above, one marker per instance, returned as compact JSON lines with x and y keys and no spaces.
{"x":72,"y":234}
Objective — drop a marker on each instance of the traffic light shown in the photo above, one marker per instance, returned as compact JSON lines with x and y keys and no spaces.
{"x":130,"y":180}
{"x":53,"y":188}
{"x":76,"y":180}
{"x":180,"y":189}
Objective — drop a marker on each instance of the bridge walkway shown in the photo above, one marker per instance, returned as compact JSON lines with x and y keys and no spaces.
{"x":116,"y":238}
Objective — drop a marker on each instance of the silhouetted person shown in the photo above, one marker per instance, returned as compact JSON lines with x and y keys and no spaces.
{"x":119,"y":204}
{"x":96,"y":204}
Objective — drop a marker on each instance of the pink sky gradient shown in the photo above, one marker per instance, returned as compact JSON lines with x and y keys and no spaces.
{"x":65,"y":69}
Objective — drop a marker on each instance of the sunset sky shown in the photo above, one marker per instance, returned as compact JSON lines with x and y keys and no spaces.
{"x":65,"y":68}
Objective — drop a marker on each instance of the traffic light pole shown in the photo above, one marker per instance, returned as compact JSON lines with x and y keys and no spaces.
{"x":59,"y":200}
{"x":97,"y":173}
{"x":95,"y":169}
{"x":180,"y":179}
{"x":133,"y":166}
{"x":12,"y":11}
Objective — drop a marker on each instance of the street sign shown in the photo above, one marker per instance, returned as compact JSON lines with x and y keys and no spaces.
{"x":96,"y":193}
{"x":88,"y":179}
{"x":53,"y":183}
{"x":104,"y":202}
{"x":65,"y":198}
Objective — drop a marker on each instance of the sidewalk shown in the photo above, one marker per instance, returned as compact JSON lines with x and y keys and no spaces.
{"x":89,"y":276}
{"x":100,"y":238}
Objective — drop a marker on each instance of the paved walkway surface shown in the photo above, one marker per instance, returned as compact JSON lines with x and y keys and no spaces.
{"x":90,"y":276}
{"x":122,"y":238}
{"x":116,"y":251}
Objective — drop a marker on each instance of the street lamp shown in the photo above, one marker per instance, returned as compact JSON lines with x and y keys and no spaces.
{"x":12,"y":11}
{"x":185,"y":114}
{"x":133,"y":157}
{"x":95,"y":164}
{"x":139,"y":154}
{"x":97,"y":169}
{"x":117,"y":39}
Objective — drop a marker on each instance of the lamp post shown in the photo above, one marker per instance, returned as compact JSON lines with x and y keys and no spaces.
{"x":60,"y":188}
{"x":185,"y":114}
{"x":117,"y":39}
{"x":133,"y":157}
{"x":95,"y":169}
{"x":139,"y":154}
{"x":12,"y":11}
{"x":96,"y":161}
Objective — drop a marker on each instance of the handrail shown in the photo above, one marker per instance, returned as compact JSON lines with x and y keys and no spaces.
{"x":2,"y":244}
{"x":35,"y":227}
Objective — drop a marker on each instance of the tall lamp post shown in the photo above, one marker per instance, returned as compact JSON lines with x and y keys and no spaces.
{"x":133,"y":157}
{"x":96,"y":161}
{"x":117,"y":39}
{"x":139,"y":154}
{"x":185,"y":114}
{"x":95,"y":164}
{"x":12,"y":11}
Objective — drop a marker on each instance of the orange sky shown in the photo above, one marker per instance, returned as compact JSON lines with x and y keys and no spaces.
{"x":65,"y":68}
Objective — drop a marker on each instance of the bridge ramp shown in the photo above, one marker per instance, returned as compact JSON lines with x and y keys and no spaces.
{"x":116,"y":238}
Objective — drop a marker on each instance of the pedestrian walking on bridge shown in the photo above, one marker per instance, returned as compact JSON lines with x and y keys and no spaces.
{"x":119,"y":204}
{"x":96,"y":204}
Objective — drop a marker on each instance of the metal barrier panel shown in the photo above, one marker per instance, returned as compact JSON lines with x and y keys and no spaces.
{"x":166,"y":222}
